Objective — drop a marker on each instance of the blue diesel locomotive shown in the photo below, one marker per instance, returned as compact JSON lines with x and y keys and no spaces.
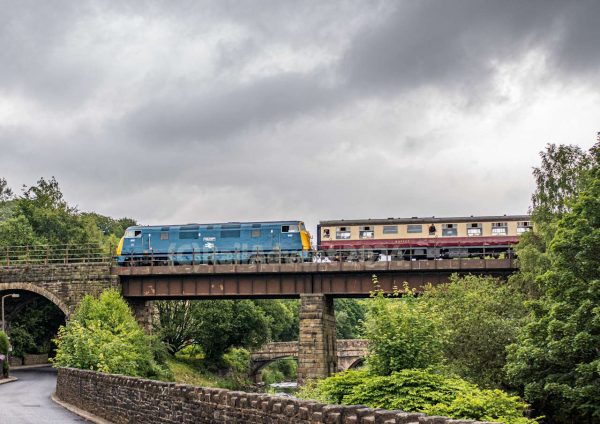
{"x":233,"y":242}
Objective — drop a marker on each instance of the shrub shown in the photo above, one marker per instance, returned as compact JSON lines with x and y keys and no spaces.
{"x":238,"y":362}
{"x":103,"y":335}
{"x":418,"y":390}
{"x":4,"y":345}
{"x":401,"y":333}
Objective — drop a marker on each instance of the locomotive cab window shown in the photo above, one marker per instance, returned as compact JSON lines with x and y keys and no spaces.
{"x":366,"y":232}
{"x":133,"y":233}
{"x":415,"y":229}
{"x":188,"y":235}
{"x":449,"y":230}
{"x":342,"y":233}
{"x":474,"y":229}
{"x":289,"y":229}
{"x":499,"y":228}
{"x":326,"y":233}
{"x":432,"y":230}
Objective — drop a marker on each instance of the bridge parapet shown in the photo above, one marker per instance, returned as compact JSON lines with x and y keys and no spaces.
{"x":63,"y":284}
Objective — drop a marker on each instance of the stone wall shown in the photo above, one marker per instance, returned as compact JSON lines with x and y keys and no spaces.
{"x":121,"y":399}
{"x":35,"y":359}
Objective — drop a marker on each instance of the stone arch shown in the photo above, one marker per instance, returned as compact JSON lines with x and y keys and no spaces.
{"x":37,"y":290}
{"x":358,"y":362}
{"x":259,"y":364}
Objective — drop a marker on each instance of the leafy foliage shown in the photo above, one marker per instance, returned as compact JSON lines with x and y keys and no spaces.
{"x":41,"y":216}
{"x":103,"y":335}
{"x":34,"y":327}
{"x":401,"y":334}
{"x":284,"y":369}
{"x":218,"y":325}
{"x":419,"y":390}
{"x":349,"y":317}
{"x":556,"y":357}
{"x":477,"y":317}
{"x":4,"y":351}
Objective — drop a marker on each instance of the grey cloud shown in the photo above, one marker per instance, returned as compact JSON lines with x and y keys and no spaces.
{"x":455,"y":44}
{"x":216,"y":116}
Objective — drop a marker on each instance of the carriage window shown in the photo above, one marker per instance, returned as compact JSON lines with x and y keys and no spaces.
{"x":255,"y":233}
{"x":499,"y":228}
{"x":342,"y":233}
{"x":188,"y":235}
{"x":523,"y":226}
{"x":449,"y":230}
{"x":326,"y":233}
{"x":414,"y":228}
{"x":164,"y":236}
{"x":474,"y":229}
{"x":289,"y":229}
{"x":230,"y":233}
{"x":432,"y":230}
{"x":390,"y":229}
{"x":366,"y":232}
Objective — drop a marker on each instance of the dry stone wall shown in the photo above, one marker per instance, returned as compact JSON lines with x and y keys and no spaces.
{"x":122,"y":399}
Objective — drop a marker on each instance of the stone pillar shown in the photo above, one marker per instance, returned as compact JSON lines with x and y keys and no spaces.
{"x":145,"y":313}
{"x":317,"y":356}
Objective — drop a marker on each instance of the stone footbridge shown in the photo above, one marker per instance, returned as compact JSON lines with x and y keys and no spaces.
{"x":350,"y":353}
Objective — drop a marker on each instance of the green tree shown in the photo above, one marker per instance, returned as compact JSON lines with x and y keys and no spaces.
{"x":557,"y":356}
{"x":401,"y":334}
{"x":103,"y":335}
{"x":478,"y":317}
{"x":5,"y":191}
{"x":349,"y":317}
{"x":179,"y":323}
{"x":16,"y":231}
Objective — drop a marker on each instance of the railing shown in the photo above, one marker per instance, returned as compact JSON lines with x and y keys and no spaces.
{"x":95,"y":253}
{"x":213,"y":257}
{"x":54,"y":254}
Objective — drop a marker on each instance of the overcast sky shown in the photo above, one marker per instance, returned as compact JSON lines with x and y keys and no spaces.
{"x":204,"y":111}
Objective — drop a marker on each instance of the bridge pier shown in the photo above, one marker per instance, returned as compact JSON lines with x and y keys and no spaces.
{"x":144,"y":312}
{"x":317,"y":356}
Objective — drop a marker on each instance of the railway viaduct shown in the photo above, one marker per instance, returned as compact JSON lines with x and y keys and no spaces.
{"x":316,"y":284}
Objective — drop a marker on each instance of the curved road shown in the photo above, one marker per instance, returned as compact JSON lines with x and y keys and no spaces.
{"x":27,"y":401}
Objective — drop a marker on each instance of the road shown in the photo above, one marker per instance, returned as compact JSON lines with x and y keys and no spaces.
{"x":27,"y":401}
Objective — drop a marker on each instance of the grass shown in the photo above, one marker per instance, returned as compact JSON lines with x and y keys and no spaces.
{"x":192,"y":371}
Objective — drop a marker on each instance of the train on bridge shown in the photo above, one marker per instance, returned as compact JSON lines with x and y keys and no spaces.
{"x":339,"y":240}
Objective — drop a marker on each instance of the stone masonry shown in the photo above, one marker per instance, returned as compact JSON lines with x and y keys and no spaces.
{"x":64,"y":285}
{"x":120,"y":399}
{"x":317,"y":356}
{"x":350,"y":352}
